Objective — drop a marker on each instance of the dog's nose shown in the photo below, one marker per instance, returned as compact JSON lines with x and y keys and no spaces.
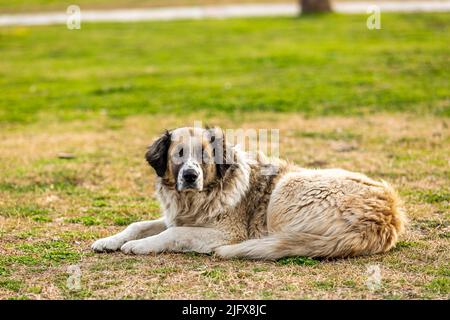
{"x":190,"y":175}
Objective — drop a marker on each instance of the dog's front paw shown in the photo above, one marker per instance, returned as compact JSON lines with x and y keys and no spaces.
{"x":107,"y":244}
{"x":137,"y":247}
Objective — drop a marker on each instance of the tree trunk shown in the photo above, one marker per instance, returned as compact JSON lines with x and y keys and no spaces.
{"x":310,"y":6}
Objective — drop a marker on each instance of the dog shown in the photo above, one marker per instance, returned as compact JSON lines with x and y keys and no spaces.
{"x":217,"y":198}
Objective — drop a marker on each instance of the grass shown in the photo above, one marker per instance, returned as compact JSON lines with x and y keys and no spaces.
{"x":440,"y":285}
{"x":234,"y":65}
{"x":302,"y":261}
{"x":375,"y":102}
{"x":12,"y":285}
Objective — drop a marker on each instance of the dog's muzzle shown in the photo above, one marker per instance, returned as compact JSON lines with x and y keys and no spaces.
{"x":190,"y":178}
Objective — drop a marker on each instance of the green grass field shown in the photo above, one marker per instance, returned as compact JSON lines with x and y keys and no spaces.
{"x":319,"y":66}
{"x":341,"y":95}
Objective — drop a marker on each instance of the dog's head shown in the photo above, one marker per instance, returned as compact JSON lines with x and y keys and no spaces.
{"x":190,"y":158}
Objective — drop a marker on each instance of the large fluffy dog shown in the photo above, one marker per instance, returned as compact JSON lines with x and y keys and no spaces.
{"x":217,"y":198}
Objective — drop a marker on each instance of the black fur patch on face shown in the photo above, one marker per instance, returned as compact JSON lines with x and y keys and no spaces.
{"x":156,"y":155}
{"x":221,"y":158}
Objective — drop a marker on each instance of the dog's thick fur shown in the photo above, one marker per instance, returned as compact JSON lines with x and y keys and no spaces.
{"x":240,"y":211}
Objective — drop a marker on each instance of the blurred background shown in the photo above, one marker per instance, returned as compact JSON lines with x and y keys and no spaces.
{"x":331,"y":64}
{"x":55,"y":5}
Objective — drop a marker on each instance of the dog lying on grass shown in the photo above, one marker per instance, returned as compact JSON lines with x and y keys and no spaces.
{"x":216,"y":198}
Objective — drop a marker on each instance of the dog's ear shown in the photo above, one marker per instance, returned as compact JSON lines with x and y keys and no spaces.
{"x":156,"y":155}
{"x":222,"y":156}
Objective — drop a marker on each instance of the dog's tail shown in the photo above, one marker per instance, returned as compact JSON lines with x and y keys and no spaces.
{"x":277,"y":246}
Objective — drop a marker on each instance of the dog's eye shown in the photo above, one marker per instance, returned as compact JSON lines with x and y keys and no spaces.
{"x":180,"y":153}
